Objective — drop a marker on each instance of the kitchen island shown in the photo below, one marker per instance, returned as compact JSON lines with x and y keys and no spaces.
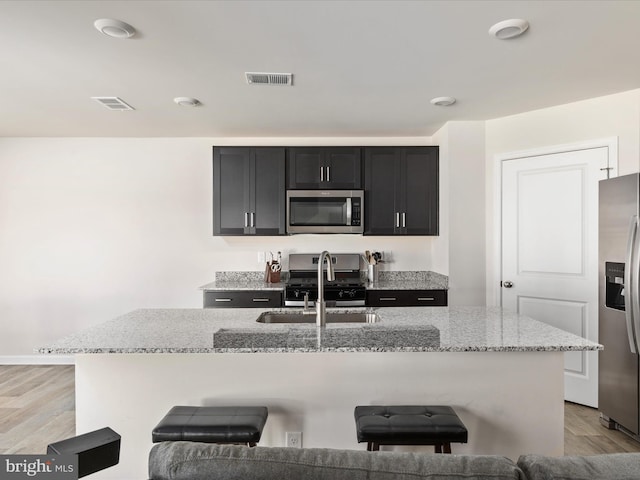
{"x":502,"y":372}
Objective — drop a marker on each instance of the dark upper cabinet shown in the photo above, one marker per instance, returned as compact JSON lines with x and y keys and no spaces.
{"x":401,"y":190}
{"x":324,"y":168}
{"x":249,"y":191}
{"x":380,"y":192}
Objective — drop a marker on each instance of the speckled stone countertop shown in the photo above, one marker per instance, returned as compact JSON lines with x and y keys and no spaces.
{"x":407,"y":329}
{"x":243,"y":281}
{"x":407,"y":280}
{"x":403,"y":280}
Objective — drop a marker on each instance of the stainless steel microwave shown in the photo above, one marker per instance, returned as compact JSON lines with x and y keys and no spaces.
{"x":325,"y":211}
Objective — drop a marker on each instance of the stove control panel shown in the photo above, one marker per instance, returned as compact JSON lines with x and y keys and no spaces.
{"x":338,"y":296}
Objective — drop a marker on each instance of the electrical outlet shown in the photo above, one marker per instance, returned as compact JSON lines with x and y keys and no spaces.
{"x":261,"y":257}
{"x":293,"y":439}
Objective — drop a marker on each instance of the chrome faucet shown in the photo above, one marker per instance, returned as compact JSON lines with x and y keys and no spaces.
{"x":321,"y":313}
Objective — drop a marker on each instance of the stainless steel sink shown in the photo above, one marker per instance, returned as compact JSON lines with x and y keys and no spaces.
{"x":347,"y":317}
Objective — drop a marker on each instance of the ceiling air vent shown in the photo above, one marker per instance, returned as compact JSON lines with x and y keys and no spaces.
{"x":254,"y":78}
{"x":113,"y":103}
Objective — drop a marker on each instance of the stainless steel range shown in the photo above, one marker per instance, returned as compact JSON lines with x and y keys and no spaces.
{"x":347,"y":290}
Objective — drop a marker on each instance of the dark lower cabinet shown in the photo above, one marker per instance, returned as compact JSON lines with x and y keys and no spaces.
{"x":401,"y":190}
{"x":406,"y":298}
{"x":310,"y":168}
{"x":242,"y":299}
{"x":249,"y":191}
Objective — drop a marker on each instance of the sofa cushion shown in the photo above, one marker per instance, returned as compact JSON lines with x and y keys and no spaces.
{"x":204,"y":461}
{"x":612,"y":466}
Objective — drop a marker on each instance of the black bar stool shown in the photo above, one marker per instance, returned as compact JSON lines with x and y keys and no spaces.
{"x":212,"y":425}
{"x":409,"y":425}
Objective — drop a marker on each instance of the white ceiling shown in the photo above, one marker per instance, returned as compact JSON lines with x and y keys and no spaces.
{"x":361,"y":68}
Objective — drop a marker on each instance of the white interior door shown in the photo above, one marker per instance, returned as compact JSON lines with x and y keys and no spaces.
{"x":550,"y":250}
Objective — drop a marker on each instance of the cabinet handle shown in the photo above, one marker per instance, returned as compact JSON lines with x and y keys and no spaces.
{"x":387,"y":299}
{"x":404,"y":223}
{"x":426,"y":299}
{"x":246,"y":219}
{"x":328,"y":174}
{"x":321,"y":174}
{"x":222,"y":299}
{"x":260,"y":299}
{"x":253,"y":219}
{"x":397,"y":220}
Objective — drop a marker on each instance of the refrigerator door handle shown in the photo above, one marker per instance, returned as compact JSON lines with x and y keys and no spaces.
{"x":635,"y":299}
{"x":632,"y":265}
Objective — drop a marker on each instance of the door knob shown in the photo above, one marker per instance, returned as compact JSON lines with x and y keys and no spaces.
{"x":507,"y":284}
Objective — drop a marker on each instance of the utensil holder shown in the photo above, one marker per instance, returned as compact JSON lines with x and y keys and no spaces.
{"x":372,"y":273}
{"x":274,"y":277}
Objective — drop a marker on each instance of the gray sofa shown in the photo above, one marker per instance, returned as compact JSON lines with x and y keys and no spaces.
{"x":203,"y":461}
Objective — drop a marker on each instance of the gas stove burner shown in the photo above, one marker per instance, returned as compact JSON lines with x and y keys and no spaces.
{"x":335,"y":296}
{"x":346,"y":290}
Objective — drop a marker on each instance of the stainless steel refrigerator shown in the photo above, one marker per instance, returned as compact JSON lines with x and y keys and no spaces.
{"x":619,"y":310}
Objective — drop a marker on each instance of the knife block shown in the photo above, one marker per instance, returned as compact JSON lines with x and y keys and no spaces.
{"x":274,"y":277}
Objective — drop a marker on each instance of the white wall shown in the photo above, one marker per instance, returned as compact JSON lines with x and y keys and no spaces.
{"x":461,"y":248}
{"x":91,"y":228}
{"x":598,"y":118}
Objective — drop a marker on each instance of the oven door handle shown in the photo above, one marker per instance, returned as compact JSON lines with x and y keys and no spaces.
{"x":349,"y":211}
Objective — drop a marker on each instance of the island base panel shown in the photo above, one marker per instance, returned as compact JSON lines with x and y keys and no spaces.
{"x":511,"y":402}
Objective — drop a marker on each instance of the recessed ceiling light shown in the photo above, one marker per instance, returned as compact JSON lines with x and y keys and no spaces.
{"x":509,"y":28}
{"x":187,"y":101}
{"x":114,"y":28}
{"x":443,"y":101}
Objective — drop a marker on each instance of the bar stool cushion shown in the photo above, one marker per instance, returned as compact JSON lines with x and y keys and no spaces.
{"x":409,"y":425}
{"x":211,"y":424}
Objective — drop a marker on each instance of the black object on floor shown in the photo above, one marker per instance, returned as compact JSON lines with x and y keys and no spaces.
{"x":96,"y":450}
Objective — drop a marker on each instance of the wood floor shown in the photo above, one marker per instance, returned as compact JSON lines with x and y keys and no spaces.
{"x":583,"y":434}
{"x":37,"y":407}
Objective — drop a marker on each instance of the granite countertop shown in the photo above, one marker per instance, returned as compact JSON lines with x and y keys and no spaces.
{"x":417,"y":280}
{"x":388,"y":280}
{"x":406,"y":329}
{"x":243,"y":281}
